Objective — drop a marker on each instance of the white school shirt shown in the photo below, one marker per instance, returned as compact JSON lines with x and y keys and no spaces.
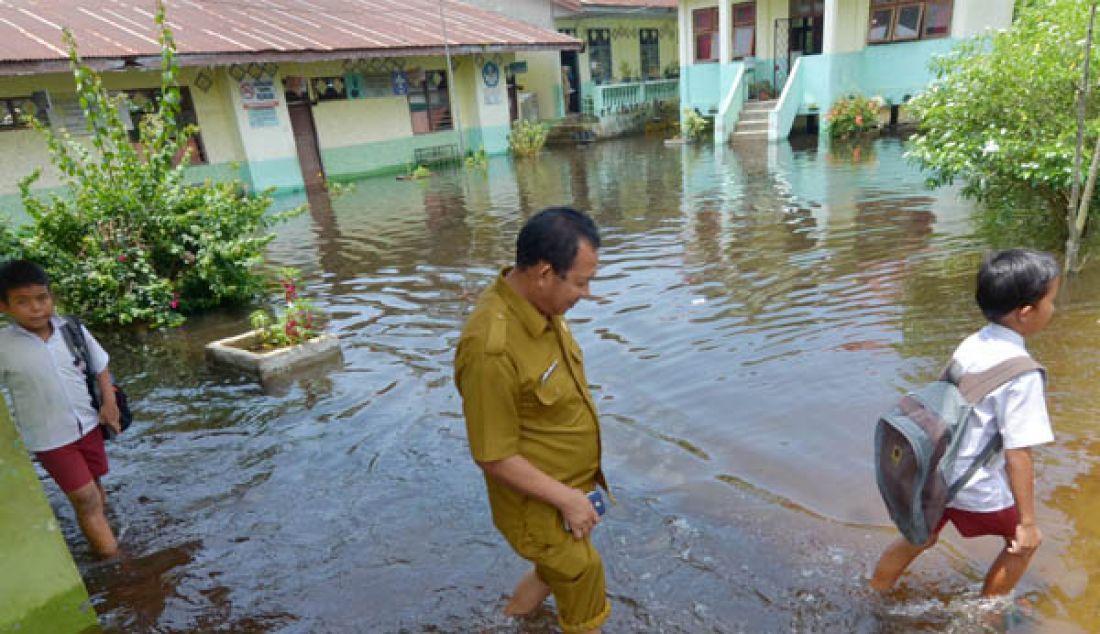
{"x":49,"y":395}
{"x":1017,"y":409}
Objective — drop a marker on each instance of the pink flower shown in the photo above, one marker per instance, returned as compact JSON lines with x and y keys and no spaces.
{"x":859,"y":119}
{"x":122,"y":257}
{"x":175,"y":303}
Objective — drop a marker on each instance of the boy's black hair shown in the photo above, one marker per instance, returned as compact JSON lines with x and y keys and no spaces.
{"x":1013,"y":278}
{"x":553,"y":236}
{"x":20,"y":273}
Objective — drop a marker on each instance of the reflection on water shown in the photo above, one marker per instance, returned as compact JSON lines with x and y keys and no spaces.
{"x":755,"y":312}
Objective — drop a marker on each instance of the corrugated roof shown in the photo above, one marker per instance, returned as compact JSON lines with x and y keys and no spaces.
{"x":638,"y":4}
{"x":251,"y":30}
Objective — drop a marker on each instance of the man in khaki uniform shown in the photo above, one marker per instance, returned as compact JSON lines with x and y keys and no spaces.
{"x":531,"y":421}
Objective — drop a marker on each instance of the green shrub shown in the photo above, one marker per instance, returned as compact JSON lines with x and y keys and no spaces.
{"x":477,"y":160}
{"x":131,"y":241}
{"x":527,"y":137}
{"x":693,"y":126}
{"x":853,"y":116}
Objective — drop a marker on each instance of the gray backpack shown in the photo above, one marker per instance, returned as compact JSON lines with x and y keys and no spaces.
{"x":917,"y":443}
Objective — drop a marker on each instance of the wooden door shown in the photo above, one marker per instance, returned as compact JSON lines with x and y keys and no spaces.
{"x":305,"y":139}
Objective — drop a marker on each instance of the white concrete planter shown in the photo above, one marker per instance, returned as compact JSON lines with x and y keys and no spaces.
{"x":234,"y":352}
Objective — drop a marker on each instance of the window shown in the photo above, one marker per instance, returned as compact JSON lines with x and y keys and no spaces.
{"x":330,"y":88}
{"x":705,"y":31}
{"x":599,"y":55}
{"x":14,"y":112}
{"x":143,"y":102}
{"x":744,"y":30}
{"x":900,"y":21}
{"x":650,"y":41}
{"x":429,"y":103}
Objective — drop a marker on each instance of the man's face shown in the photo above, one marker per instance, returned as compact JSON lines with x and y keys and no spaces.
{"x":30,"y":306}
{"x":560,"y":294}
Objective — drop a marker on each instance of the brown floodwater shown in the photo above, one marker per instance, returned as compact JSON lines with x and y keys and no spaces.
{"x":755,"y":311}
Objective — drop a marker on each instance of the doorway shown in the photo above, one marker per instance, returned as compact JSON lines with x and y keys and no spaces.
{"x":300,"y":109}
{"x":570,"y":76}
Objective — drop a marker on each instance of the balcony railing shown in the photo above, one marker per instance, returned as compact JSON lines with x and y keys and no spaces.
{"x":611,"y":99}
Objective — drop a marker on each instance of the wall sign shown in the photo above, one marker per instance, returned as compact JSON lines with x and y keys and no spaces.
{"x":259,"y":98}
{"x":400,"y":83}
{"x":490,"y":74}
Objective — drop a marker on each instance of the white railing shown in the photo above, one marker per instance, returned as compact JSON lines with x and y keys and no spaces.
{"x":781,"y":118}
{"x":730,"y":109}
{"x":611,"y":99}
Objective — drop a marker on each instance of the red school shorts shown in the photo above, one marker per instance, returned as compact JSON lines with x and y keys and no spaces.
{"x":975,"y":524}
{"x":77,"y":463}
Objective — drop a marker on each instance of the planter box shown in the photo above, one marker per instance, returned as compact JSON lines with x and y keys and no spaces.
{"x":234,"y":352}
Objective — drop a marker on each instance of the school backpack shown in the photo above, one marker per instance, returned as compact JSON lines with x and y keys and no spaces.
{"x":73,"y":333}
{"x":917,"y":444}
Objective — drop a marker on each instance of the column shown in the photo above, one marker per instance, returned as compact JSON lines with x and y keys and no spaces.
{"x":831,"y":36}
{"x":684,"y":45}
{"x":725,"y":25}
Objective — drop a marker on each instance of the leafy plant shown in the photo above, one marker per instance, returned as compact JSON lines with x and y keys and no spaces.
{"x":420,"y":172}
{"x":295,"y":325}
{"x":1000,"y":116}
{"x":625,"y":71}
{"x":478,"y":159}
{"x":527,"y":137}
{"x":762,"y":89}
{"x":693,"y":125}
{"x":853,"y":116}
{"x":131,"y":241}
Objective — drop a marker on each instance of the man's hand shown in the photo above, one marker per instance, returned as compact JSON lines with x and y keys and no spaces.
{"x":1028,"y":538}
{"x":578,"y":512}
{"x":109,"y":415}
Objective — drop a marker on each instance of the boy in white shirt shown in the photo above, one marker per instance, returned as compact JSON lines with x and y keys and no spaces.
{"x":1016,"y":292}
{"x":50,"y":400}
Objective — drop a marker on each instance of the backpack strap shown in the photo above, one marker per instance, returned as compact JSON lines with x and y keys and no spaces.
{"x":974,"y":387}
{"x":73,"y":333}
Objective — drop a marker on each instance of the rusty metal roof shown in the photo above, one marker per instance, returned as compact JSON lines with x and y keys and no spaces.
{"x":632,"y":4}
{"x":115,"y":33}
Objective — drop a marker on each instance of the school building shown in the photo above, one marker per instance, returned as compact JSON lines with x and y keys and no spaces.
{"x":285,"y":94}
{"x":799,"y":56}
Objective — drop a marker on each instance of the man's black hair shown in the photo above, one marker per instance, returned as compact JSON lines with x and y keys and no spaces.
{"x":1013,"y":278}
{"x":20,"y":273}
{"x":553,"y":236}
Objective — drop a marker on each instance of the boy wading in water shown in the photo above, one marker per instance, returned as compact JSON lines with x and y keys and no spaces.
{"x":1016,"y":291}
{"x":50,"y":400}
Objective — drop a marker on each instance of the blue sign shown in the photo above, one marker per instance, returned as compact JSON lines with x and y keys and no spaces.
{"x":490,"y":74}
{"x":400,"y":83}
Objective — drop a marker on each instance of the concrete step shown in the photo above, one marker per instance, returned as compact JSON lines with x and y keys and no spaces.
{"x":761,"y":105}
{"x":749,"y":135}
{"x":751,"y":125}
{"x":757,"y":115}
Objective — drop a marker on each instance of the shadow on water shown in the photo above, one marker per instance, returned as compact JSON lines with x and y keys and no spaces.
{"x":755,"y":312}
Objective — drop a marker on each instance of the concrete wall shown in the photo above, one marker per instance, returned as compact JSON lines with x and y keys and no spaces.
{"x":40,"y":588}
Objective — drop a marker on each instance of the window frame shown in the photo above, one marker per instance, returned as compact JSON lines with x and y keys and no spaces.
{"x":654,"y":42}
{"x":188,"y":115}
{"x":424,"y":90}
{"x":18,"y":122}
{"x":734,"y":24}
{"x":603,"y":43}
{"x":715,"y":46}
{"x":895,"y":8}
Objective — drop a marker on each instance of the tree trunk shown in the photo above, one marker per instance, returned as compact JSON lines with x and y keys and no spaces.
{"x":1075,"y":222}
{"x":1078,"y":228}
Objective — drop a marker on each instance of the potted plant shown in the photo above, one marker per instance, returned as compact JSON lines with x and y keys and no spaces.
{"x":763,"y":90}
{"x":278,"y":345}
{"x":626,"y":73}
{"x":693,"y":127}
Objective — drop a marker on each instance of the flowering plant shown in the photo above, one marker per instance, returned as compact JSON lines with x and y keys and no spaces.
{"x":853,"y":116}
{"x":295,"y":325}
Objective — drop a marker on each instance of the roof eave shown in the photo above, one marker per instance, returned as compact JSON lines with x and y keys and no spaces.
{"x":152,"y":62}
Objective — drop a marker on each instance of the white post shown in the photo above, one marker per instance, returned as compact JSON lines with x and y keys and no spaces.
{"x":686,"y":47}
{"x":725,"y":25}
{"x":452,"y":89}
{"x":831,"y":38}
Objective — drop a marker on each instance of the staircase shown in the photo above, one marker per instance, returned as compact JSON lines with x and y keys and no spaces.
{"x":571,"y":130}
{"x":752,"y":126}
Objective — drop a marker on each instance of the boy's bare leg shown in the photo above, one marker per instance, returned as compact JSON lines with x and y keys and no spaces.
{"x":529,"y":594}
{"x":1005,"y":573}
{"x":88,"y":502}
{"x":895,"y":559}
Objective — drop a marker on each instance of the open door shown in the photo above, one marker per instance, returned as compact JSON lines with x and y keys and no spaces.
{"x":305,"y":133}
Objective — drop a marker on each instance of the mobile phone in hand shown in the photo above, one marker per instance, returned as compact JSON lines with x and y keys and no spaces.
{"x":596,"y":498}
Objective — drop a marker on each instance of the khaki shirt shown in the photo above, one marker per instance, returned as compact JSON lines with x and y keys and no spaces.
{"x":521,"y":377}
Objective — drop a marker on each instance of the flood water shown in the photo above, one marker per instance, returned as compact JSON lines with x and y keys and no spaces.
{"x":756,"y":311}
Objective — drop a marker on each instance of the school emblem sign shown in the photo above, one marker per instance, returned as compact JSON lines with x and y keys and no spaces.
{"x":490,"y":74}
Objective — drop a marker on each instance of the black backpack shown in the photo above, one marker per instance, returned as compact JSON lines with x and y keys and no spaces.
{"x":73,"y":332}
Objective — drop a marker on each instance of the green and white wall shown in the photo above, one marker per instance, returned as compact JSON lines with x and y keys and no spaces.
{"x":848,"y":63}
{"x":356,"y":137}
